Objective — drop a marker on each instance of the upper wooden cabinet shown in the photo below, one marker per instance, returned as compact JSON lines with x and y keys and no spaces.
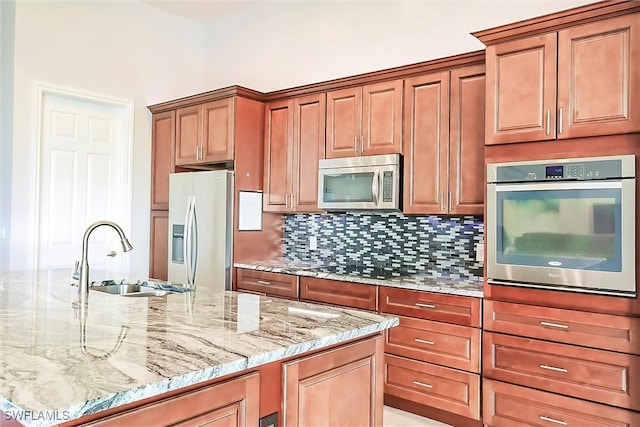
{"x":204,"y":133}
{"x":365,"y":120}
{"x":294,"y":143}
{"x":162,"y":160}
{"x":576,"y":82}
{"x":444,"y":142}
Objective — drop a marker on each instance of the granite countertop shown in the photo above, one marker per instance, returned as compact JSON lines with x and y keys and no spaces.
{"x":47,"y":375}
{"x":420,"y":281}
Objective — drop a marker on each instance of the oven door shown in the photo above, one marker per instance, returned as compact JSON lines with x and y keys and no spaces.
{"x":576,"y":236}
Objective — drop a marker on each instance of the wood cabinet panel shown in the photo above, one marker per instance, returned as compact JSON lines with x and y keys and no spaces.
{"x":466,"y":141}
{"x":233,"y":403}
{"x":188,"y":134}
{"x":344,"y":121}
{"x":162,"y":157}
{"x":284,"y":285}
{"x":382,"y":118}
{"x":314,"y":387}
{"x":598,"y":78}
{"x":521,"y":90}
{"x":443,"y":388}
{"x":340,"y":293}
{"x":616,"y":333}
{"x":159,"y":245}
{"x":278,"y":146}
{"x":218,"y":131}
{"x":508,"y":405}
{"x":434,"y":342}
{"x":454,"y":309}
{"x":596,"y":375}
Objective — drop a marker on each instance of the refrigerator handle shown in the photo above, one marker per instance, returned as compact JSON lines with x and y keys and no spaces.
{"x":194,"y":245}
{"x":187,"y":240}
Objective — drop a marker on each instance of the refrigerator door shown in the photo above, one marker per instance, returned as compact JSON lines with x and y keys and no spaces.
{"x":179,"y":208}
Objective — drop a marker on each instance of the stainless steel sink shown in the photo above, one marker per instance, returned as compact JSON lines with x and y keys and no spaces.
{"x":139,"y":289}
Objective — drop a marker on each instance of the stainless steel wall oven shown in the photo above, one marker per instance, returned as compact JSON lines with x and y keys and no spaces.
{"x":563,"y":224}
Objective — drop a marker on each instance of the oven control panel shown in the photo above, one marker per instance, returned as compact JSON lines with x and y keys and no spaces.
{"x":591,"y":168}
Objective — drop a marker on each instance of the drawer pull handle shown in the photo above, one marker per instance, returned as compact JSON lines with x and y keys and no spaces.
{"x":554,"y":325}
{"x":423,"y":384}
{"x":553,"y":368}
{"x":264,"y":282}
{"x":419,"y":304}
{"x":424,"y":341}
{"x":552,"y":420}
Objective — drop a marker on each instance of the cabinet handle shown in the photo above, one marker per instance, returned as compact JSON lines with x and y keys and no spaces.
{"x":554,"y":325}
{"x":264,"y":282}
{"x":293,"y":201}
{"x":449,"y":201}
{"x":560,"y":120}
{"x":286,"y":201}
{"x":424,"y":341}
{"x":419,"y":304}
{"x":355,"y":145}
{"x":362,"y":144}
{"x":553,"y":420}
{"x":442,"y":201}
{"x":553,"y":368}
{"x":548,"y":122}
{"x":423,"y":384}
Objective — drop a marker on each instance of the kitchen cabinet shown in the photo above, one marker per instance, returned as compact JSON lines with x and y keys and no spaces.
{"x":365,"y":120}
{"x":159,"y":245}
{"x":267,"y":283}
{"x":162,"y":157}
{"x":341,"y":387}
{"x":336,"y":292}
{"x":294,"y":143}
{"x":444,"y":142}
{"x":575,"y":82}
{"x":232,"y":403}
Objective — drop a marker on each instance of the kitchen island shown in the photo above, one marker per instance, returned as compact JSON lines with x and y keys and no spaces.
{"x":139,"y":350}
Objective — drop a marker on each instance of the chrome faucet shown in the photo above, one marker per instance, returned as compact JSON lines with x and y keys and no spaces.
{"x":83,"y":273}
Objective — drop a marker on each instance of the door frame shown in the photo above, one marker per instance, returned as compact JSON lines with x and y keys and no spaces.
{"x":126,"y":109}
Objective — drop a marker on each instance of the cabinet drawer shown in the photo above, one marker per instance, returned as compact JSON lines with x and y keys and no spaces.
{"x":443,"y":388}
{"x":603,"y":331}
{"x":434,"y":342}
{"x":340,"y":293}
{"x":507,"y":405}
{"x":427,"y":305}
{"x":598,"y":375}
{"x":284,"y":285}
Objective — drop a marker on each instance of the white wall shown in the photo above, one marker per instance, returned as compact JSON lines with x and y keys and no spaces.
{"x":125,"y":50}
{"x":277,"y":45}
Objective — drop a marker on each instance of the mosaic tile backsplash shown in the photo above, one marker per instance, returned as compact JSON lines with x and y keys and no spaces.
{"x":440,"y":246}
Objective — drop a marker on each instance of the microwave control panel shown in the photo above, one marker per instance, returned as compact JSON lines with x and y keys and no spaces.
{"x":387,"y":186}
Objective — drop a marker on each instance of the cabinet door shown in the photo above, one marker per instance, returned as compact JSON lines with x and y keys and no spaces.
{"x":382,"y":118}
{"x":521,"y":90}
{"x":159,"y":245}
{"x":344,"y":120}
{"x":218,"y":131}
{"x":341,"y":387}
{"x":426,"y":142}
{"x":162,"y":157}
{"x":599,"y":78}
{"x":188,"y":134}
{"x":336,"y":292}
{"x":308,"y":149}
{"x":466,"y":141}
{"x":277,"y":156}
{"x":268,"y":283}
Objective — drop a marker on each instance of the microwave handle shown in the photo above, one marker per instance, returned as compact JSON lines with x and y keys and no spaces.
{"x":375,"y":187}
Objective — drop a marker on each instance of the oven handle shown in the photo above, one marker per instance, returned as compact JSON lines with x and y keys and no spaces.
{"x":573,"y":185}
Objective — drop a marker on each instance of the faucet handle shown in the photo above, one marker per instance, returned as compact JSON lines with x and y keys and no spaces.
{"x":112,"y":254}
{"x":76,"y":271}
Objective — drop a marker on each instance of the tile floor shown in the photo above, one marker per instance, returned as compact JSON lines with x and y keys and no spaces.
{"x":396,"y":418}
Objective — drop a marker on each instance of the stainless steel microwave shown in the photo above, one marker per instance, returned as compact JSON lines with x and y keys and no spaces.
{"x":360,"y":183}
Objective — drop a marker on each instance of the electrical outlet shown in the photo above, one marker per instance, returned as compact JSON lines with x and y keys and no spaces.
{"x":313,"y":243}
{"x":480,"y":252}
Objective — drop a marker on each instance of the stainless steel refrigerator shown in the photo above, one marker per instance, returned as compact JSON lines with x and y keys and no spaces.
{"x":200,"y":228}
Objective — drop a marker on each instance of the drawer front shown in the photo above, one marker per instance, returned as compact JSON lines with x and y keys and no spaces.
{"x":507,"y":405}
{"x":443,"y":388}
{"x":434,"y":342}
{"x":603,"y":331}
{"x":431,"y":306}
{"x":284,"y":285}
{"x":340,"y":293}
{"x":596,"y":375}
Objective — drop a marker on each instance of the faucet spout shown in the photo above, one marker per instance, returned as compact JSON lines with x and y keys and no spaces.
{"x":83,"y":284}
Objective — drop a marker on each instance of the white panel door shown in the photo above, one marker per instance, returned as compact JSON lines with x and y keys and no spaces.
{"x":83,"y":170}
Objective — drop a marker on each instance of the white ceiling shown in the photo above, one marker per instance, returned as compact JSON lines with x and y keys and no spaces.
{"x":200,"y":10}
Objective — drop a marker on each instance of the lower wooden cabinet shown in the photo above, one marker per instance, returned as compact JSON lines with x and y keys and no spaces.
{"x":341,"y":387}
{"x":159,"y":245}
{"x":336,"y":292}
{"x":232,"y":403}
{"x":508,"y":405}
{"x":267,"y":283}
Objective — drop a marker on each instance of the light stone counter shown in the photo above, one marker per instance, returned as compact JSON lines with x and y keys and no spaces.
{"x":420,"y":282}
{"x":48,"y":376}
